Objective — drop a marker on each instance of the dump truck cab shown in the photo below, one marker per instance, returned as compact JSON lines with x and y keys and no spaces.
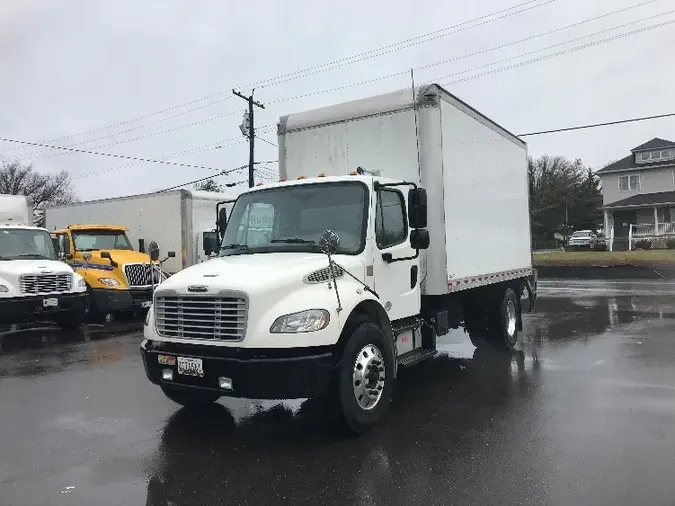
{"x":119,"y":279}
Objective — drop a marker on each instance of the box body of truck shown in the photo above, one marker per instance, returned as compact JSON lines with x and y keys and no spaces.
{"x":175,"y":220}
{"x":474,"y":172}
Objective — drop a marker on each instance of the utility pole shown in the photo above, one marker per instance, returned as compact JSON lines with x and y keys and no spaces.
{"x":251,"y":132}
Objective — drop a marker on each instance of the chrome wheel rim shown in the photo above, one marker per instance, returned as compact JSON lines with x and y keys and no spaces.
{"x":368,"y":377}
{"x":511,"y":318}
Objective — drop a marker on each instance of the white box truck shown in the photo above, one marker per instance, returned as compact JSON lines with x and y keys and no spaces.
{"x":396,"y":220}
{"x":177,"y":220}
{"x":34,"y":285}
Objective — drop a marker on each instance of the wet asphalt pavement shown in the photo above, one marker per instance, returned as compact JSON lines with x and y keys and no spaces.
{"x":583,"y":413}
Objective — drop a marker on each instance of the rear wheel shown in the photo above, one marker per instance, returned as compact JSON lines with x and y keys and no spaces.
{"x":365,"y":378}
{"x":189,"y":398}
{"x":504,"y":321}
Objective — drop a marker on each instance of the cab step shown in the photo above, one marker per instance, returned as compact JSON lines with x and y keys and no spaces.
{"x":415,"y":357}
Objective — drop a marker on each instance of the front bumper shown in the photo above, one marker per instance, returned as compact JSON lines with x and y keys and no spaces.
{"x":111,"y":301}
{"x":255,"y":374}
{"x":32,"y":308}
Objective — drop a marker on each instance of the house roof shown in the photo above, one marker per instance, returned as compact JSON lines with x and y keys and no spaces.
{"x":629,"y":162}
{"x":644,"y":200}
{"x":653,"y":144}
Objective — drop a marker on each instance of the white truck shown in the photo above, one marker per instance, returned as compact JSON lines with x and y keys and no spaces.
{"x":396,"y":219}
{"x":177,"y":220}
{"x":34,"y":285}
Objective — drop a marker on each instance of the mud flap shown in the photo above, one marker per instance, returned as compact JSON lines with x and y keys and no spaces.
{"x":531,"y":287}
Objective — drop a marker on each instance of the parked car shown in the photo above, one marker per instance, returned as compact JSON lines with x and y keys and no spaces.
{"x":582,"y":239}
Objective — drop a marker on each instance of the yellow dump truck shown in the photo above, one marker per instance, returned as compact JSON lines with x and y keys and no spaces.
{"x":118,"y":278}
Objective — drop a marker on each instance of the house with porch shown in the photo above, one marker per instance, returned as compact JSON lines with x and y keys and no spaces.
{"x":638,"y":196}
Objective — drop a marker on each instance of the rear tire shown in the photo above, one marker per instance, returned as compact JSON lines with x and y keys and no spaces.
{"x":365,"y":378}
{"x":188,"y":398}
{"x":504,"y":321}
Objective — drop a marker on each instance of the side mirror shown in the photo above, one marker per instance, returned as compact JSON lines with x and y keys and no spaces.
{"x":419,"y":238}
{"x":153,"y":251}
{"x":329,"y":242}
{"x":222,"y":221}
{"x":106,"y":254}
{"x":171,"y":254}
{"x":66,"y":246}
{"x":209,"y":242}
{"x":417,"y":208}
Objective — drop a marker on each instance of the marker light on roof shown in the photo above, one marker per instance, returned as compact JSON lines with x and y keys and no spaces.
{"x":353,"y":173}
{"x":321,"y":174}
{"x":302,"y":177}
{"x":283,"y":179}
{"x":258,"y":184}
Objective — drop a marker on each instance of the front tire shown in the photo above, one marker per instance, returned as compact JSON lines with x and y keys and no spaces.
{"x":72,"y":320}
{"x":190,"y":399}
{"x":365,"y":378}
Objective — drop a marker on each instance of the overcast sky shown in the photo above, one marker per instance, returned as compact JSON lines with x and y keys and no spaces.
{"x":70,"y":66}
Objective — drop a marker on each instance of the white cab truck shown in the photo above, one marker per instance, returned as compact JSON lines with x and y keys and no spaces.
{"x":34,"y":285}
{"x":177,"y":220}
{"x":396,"y":220}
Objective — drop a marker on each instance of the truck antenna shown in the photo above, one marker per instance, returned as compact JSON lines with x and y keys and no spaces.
{"x":417,"y":132}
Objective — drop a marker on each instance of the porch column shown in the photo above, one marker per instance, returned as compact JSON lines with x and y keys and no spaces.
{"x":656,"y":221}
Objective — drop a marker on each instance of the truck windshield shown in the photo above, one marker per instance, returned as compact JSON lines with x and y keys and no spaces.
{"x":26,"y":244}
{"x":90,"y":240}
{"x":293,"y":218}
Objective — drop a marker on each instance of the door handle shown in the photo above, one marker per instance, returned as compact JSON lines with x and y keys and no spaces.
{"x":413,"y":277}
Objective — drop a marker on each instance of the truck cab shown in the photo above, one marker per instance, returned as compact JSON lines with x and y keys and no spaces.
{"x":34,"y":285}
{"x":119,"y":279}
{"x":310,"y":274}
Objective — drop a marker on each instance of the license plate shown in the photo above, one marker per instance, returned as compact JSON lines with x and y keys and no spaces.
{"x":146,"y":304}
{"x":53,"y":302}
{"x":190,"y":366}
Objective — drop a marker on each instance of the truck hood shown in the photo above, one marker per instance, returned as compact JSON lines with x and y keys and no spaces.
{"x":262,"y":272}
{"x":14,"y":268}
{"x":121,"y":256}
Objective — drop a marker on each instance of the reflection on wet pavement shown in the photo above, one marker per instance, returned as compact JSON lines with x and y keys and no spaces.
{"x":582,"y":413}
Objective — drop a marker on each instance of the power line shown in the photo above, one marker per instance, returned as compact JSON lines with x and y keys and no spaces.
{"x":373,"y":53}
{"x":414,"y":41}
{"x":222,"y":173}
{"x":595,"y":125}
{"x":111,"y":155}
{"x":560,"y":53}
{"x":494,"y":48}
{"x":268,"y":142}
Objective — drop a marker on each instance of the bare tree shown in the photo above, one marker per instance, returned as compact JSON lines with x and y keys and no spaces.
{"x":44,"y":190}
{"x":209,"y":185}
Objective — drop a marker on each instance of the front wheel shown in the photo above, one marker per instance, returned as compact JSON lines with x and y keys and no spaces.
{"x":188,"y":398}
{"x":72,"y":320}
{"x":366,"y":378}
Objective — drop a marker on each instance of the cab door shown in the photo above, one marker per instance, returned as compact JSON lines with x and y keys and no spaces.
{"x":396,"y":274}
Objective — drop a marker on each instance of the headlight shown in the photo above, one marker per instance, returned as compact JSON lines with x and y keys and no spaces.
{"x":3,"y":289}
{"x":304,"y":321}
{"x":81,"y":283}
{"x":109,"y":281}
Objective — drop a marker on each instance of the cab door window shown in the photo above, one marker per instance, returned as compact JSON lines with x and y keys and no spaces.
{"x":391,"y":226}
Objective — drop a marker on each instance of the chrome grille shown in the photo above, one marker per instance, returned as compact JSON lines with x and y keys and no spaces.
{"x":45,"y":283}
{"x":139,"y":274}
{"x":191,"y":317}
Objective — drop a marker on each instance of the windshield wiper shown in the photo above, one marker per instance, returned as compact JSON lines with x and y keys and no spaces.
{"x":239,"y":247}
{"x":297,"y":240}
{"x":33,"y":255}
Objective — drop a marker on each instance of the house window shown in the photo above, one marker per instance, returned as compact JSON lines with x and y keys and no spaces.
{"x":629,"y":183}
{"x":665,"y":154}
{"x":656,"y":155}
{"x":644,"y":156}
{"x":663,"y":214}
